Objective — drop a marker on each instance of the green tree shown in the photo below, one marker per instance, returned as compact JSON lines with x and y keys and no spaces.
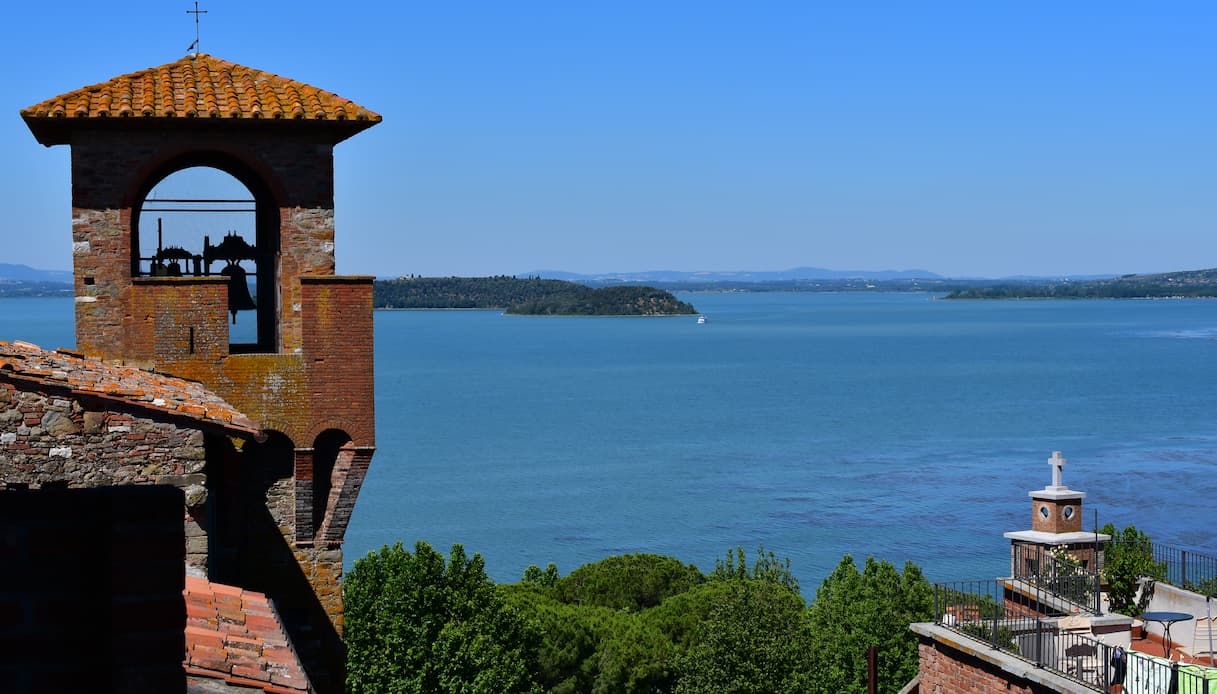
{"x":566,"y":656}
{"x":417,"y":624}
{"x":596,"y":649}
{"x":630,"y":582}
{"x":754,"y":641}
{"x":854,"y":611}
{"x":1128,"y":558}
{"x":766,"y":568}
{"x":548,"y":578}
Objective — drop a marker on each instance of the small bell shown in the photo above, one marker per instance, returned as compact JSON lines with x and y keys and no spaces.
{"x":239,"y":298}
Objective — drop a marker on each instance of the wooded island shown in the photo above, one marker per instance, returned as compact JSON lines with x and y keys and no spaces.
{"x":529,"y":296}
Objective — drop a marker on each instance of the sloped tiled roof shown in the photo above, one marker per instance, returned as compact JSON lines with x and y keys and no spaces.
{"x":235,"y":635}
{"x":198,"y":87}
{"x":141,"y":387}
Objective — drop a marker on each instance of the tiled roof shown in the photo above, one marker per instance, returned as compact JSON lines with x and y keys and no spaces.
{"x":235,"y":635}
{"x":197,"y":87}
{"x":144,"y":388}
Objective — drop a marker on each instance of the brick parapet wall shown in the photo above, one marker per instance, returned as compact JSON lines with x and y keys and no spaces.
{"x":51,"y":439}
{"x":338,"y":349}
{"x":945,"y":672}
{"x":176,"y":319}
{"x":951,"y":663}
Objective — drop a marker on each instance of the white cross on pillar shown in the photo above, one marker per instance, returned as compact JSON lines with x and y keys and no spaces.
{"x":1057,"y":463}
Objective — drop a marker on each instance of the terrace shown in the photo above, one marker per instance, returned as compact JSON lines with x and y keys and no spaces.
{"x":1053,"y":617}
{"x":1055,"y":624}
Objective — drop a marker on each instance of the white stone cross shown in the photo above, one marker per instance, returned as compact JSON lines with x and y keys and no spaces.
{"x":1057,"y":463}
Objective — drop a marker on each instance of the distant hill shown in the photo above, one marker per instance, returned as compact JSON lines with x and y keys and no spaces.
{"x":1187,"y":283}
{"x":531,"y":296}
{"x":23,"y":280}
{"x":669,"y":277}
{"x":25,"y":273}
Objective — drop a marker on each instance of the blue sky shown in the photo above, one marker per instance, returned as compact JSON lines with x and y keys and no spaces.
{"x":984,"y":138}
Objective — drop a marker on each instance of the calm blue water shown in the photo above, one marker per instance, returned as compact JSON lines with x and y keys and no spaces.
{"x":816,"y":424}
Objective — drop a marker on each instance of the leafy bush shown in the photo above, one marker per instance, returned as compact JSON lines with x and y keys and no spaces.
{"x":1129,"y":557}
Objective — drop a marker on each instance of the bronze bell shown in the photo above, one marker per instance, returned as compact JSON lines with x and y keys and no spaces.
{"x":238,"y":290}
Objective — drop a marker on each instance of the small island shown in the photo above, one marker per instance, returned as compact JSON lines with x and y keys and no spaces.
{"x":530,"y":296}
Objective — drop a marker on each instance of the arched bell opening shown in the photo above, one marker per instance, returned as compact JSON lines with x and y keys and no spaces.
{"x":207,"y":215}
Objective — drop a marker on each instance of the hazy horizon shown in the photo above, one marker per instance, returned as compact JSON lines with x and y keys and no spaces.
{"x":612,"y":273}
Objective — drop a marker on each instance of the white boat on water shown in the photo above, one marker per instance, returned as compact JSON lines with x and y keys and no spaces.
{"x":701,"y":319}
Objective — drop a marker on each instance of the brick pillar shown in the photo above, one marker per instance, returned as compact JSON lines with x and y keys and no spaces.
{"x":304,"y":496}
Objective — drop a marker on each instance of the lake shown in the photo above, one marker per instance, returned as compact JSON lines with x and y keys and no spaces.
{"x":892,"y":425}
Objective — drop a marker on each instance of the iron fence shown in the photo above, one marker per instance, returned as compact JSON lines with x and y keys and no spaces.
{"x":1189,"y":570}
{"x":1065,"y":580}
{"x":1001,"y":615}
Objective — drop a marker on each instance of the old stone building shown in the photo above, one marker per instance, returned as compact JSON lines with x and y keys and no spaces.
{"x":267,"y":439}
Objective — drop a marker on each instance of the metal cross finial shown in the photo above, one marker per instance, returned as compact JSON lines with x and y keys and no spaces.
{"x":196,"y":12}
{"x":1057,"y":463}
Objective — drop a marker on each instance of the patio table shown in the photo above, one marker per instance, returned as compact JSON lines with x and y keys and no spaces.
{"x":1166,"y":619}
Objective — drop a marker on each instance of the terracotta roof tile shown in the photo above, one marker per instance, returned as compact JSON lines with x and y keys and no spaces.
{"x":196,"y":87}
{"x":251,"y":653}
{"x":147,"y":389}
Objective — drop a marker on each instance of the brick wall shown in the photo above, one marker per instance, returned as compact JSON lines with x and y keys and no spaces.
{"x":947,"y":671}
{"x":1056,"y":521}
{"x":176,"y":319}
{"x":338,"y":350}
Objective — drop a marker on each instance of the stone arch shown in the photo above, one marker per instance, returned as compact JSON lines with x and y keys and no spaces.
{"x":333,"y":453}
{"x":356,"y":431}
{"x":267,"y":193}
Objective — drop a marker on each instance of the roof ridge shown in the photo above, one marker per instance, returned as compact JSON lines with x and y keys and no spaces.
{"x":180,"y":90}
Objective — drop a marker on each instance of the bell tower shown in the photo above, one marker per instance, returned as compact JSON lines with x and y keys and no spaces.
{"x":305,"y":373}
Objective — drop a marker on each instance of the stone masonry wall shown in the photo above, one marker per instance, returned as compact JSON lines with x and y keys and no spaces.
{"x":55,"y":440}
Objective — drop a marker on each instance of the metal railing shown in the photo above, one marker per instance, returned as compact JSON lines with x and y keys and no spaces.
{"x":1065,"y":581}
{"x":1188,"y":570}
{"x":1002,"y":615}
